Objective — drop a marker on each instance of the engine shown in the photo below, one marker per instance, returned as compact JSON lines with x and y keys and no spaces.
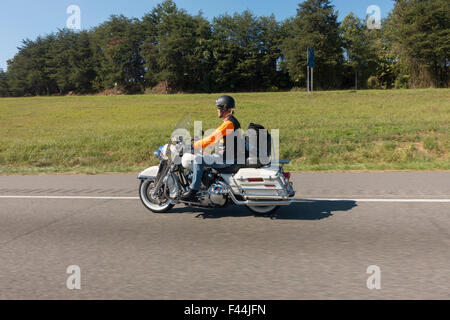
{"x":216,"y":195}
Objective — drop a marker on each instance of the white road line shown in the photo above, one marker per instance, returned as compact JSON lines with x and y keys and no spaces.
{"x":381,"y":200}
{"x":299,"y":200}
{"x":69,"y":197}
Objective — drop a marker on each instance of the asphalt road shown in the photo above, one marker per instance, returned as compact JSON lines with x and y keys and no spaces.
{"x":316,"y":249}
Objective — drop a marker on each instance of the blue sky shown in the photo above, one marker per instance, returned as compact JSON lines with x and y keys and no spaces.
{"x":21,"y":19}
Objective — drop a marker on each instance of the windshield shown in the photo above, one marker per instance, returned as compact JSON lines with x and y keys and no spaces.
{"x":182,"y":130}
{"x":184,"y":123}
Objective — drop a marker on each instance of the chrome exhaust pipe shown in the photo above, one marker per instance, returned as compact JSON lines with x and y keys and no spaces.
{"x":259,"y":203}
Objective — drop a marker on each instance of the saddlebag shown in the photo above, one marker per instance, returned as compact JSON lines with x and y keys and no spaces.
{"x":261,"y":183}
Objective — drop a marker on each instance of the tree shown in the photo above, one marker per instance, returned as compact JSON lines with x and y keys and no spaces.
{"x":246,"y":52}
{"x":54,"y":64}
{"x":28,"y":71}
{"x":83,"y":73}
{"x":116,"y":46}
{"x":314,"y":26}
{"x":176,"y":47}
{"x":387,"y":68}
{"x":420,"y":31}
{"x":360,"y":47}
{"x":236,"y":51}
{"x":4,"y":86}
{"x":70,"y":62}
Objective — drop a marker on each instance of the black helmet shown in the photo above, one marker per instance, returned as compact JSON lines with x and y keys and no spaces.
{"x":225,"y":103}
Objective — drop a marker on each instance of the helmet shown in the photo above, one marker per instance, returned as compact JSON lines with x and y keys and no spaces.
{"x":225,"y":103}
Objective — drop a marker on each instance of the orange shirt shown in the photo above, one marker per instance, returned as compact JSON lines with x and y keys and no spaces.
{"x":216,"y":136}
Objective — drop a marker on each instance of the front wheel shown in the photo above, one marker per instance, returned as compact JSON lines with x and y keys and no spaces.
{"x":158,"y":204}
{"x":263,"y":210}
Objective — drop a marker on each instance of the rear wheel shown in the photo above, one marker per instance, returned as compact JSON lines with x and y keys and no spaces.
{"x":263,"y":210}
{"x":158,"y":203}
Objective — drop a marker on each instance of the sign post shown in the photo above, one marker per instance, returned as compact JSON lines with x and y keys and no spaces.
{"x":311,"y":65}
{"x":307,"y":79}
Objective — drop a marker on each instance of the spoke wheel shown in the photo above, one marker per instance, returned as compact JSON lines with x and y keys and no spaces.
{"x":157,"y":203}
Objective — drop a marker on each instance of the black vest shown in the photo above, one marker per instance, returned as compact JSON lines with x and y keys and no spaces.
{"x":237,"y":141}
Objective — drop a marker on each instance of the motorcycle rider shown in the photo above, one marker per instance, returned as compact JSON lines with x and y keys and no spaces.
{"x":225,"y":110}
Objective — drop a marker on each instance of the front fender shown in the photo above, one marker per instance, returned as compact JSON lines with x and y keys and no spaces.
{"x":149,"y":173}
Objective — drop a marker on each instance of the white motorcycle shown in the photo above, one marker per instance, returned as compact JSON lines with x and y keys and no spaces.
{"x":263,"y":189}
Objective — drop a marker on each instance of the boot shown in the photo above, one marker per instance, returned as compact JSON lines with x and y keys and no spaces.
{"x":189,"y":196}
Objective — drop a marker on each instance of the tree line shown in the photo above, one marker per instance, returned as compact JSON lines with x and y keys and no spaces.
{"x":169,"y":50}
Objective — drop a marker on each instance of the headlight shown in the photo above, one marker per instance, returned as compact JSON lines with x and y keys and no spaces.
{"x":158,"y":152}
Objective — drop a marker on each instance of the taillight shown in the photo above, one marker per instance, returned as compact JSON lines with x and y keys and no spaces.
{"x":287,"y":175}
{"x":255,"y":180}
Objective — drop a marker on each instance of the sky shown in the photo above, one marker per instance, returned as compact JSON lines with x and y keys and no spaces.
{"x":22,"y":19}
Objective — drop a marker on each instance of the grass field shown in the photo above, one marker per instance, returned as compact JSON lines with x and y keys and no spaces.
{"x":367,"y":130}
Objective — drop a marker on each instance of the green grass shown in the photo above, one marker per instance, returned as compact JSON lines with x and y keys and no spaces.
{"x":339,"y":130}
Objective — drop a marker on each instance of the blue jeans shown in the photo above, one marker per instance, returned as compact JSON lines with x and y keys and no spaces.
{"x":213,"y":161}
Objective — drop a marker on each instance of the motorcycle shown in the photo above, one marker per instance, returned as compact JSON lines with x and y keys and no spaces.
{"x":262,"y":188}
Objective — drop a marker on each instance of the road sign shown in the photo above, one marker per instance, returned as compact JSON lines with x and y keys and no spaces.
{"x":311,"y":58}
{"x":311,"y":61}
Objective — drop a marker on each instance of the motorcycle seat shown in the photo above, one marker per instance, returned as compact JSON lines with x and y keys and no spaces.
{"x":231,"y":169}
{"x":236,"y":167}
